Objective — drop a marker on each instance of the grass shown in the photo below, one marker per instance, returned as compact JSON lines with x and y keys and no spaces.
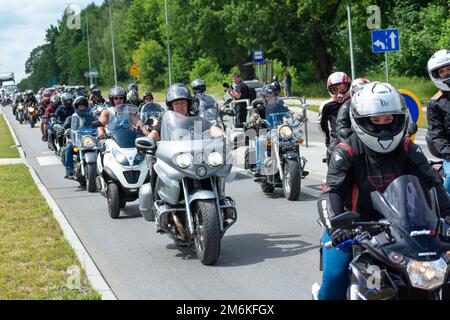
{"x":6,"y":140}
{"x":34,"y":255}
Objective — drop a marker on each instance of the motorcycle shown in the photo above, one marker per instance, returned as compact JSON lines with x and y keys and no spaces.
{"x":121,"y":169}
{"x":86,"y":148}
{"x":98,"y":109}
{"x":186,"y":194}
{"x":32,"y":115}
{"x":278,"y":154}
{"x":56,"y":140}
{"x":406,"y":254}
{"x":19,"y":113}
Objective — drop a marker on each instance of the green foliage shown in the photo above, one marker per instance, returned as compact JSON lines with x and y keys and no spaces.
{"x":206,"y":69}
{"x":150,"y":59}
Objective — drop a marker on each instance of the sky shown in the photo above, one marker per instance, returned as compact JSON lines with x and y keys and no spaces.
{"x":22,"y":28}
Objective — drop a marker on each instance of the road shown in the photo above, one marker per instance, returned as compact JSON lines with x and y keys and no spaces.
{"x":270,"y":253}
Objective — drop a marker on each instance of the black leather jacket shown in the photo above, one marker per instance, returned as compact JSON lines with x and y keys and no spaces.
{"x":438,"y":115}
{"x":343,"y":123}
{"x":354,"y":171}
{"x":328,"y":116}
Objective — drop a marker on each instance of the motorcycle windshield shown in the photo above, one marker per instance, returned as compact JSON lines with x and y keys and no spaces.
{"x":408,"y":206}
{"x":151,"y":110}
{"x":278,"y":118}
{"x":125,"y":118}
{"x":82,"y":119}
{"x":212,"y":116}
{"x":176,"y":127}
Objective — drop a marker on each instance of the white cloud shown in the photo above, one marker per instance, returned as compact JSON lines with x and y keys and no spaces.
{"x":22,"y":28}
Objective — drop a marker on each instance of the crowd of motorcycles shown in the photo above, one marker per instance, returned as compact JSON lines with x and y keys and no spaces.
{"x":186,"y":198}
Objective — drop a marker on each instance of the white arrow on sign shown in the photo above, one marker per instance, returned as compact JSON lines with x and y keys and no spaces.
{"x":378,"y":43}
{"x":393,"y":37}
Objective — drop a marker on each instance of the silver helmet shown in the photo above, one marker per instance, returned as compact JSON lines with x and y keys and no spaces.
{"x":378,"y":99}
{"x":438,"y":60}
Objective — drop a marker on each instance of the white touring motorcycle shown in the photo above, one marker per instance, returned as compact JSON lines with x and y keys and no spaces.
{"x":186,"y":193}
{"x":123,"y":170}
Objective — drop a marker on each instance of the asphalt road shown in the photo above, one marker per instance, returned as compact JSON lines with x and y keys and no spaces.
{"x":270,"y":253}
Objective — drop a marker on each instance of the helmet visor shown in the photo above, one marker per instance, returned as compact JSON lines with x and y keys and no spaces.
{"x":339,"y":88}
{"x":371,"y":128}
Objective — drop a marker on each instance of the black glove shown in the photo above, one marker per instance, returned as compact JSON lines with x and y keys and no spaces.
{"x":340,"y":235}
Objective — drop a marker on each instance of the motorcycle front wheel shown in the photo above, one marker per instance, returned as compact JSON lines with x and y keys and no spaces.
{"x":292,"y":180}
{"x":113,"y":200}
{"x":207,"y":232}
{"x":91,"y":176}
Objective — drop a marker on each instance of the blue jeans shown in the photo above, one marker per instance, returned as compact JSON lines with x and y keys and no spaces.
{"x":69,"y":158}
{"x":446,"y":166}
{"x":335,"y":277}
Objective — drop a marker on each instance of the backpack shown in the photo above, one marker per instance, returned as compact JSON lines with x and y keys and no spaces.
{"x":251,"y":93}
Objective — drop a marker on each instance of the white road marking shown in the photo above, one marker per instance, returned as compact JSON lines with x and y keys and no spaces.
{"x":48,"y":161}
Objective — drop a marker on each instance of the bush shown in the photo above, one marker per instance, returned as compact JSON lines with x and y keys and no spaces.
{"x":151,"y":61}
{"x":208,"y":70}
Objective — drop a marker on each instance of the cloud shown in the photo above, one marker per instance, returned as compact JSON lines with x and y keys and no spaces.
{"x":23,"y":24}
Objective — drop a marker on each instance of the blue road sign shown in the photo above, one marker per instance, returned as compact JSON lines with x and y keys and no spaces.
{"x":385,"y":40}
{"x":258,"y":56}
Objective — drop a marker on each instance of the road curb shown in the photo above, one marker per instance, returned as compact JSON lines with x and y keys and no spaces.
{"x":93,"y":273}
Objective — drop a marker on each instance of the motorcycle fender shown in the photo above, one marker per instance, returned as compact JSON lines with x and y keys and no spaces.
{"x":90,"y":157}
{"x":108,"y":175}
{"x":202,"y":195}
{"x":146,"y":202}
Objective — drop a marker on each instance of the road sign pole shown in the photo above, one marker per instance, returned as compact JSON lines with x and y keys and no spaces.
{"x":387,"y":66}
{"x":350,"y":39}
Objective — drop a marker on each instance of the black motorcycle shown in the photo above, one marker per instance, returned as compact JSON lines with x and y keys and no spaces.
{"x":404,"y":256}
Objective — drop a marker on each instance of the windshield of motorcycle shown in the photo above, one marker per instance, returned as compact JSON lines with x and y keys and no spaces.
{"x":82,"y":119}
{"x":409,"y":208}
{"x":176,"y":127}
{"x":280,"y":118}
{"x":151,"y":110}
{"x":212,"y":115}
{"x":125,"y":117}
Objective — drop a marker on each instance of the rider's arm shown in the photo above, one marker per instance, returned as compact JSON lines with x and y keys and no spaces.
{"x":324,"y":123}
{"x":436,"y":130}
{"x":156,"y":132}
{"x":104,"y":116}
{"x":343,"y":124}
{"x":338,"y":185}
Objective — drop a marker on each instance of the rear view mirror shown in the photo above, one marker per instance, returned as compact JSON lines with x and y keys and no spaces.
{"x":146,"y":145}
{"x":345,"y":220}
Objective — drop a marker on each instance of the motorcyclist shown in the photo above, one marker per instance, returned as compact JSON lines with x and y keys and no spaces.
{"x":372,"y":157}
{"x":117,"y":96}
{"x":179,"y":99}
{"x":343,"y":125}
{"x":66,"y":109}
{"x":30,"y":100}
{"x":95,"y":97}
{"x":81,"y":106}
{"x":338,"y":86}
{"x":48,"y":112}
{"x":438,"y":111}
{"x":19,"y":99}
{"x":148,"y":100}
{"x":133,"y":98}
{"x":199,"y":87}
{"x":133,"y":87}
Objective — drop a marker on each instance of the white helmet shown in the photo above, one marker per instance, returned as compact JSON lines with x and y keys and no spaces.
{"x":376,"y":99}
{"x":357,"y":84}
{"x":438,"y":60}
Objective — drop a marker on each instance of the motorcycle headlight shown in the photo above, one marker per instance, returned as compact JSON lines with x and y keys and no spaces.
{"x":285,"y":132}
{"x":215,"y":159}
{"x":427,"y":275}
{"x":184,"y":160}
{"x":88,"y":142}
{"x":30,"y":110}
{"x":120,"y":158}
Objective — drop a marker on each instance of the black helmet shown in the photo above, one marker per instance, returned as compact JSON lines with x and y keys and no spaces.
{"x":117,"y":91}
{"x":198,"y":86}
{"x":178,"y":91}
{"x":276,"y":86}
{"x":132,"y":87}
{"x":148,"y":94}
{"x":80,"y":101}
{"x":96,"y":92}
{"x":92,"y":87}
{"x":268,"y":90}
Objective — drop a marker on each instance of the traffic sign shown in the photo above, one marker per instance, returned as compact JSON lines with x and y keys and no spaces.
{"x":385,"y":40}
{"x":414,"y":106}
{"x":258,"y":56}
{"x":134,"y":71}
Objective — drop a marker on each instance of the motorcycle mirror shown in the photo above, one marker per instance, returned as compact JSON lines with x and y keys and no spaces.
{"x":97,"y":124}
{"x":145,"y":144}
{"x":345,"y":220}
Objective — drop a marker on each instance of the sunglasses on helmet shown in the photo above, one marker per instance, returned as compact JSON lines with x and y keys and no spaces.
{"x":339,"y":88}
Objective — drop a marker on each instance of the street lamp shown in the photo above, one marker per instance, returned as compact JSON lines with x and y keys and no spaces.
{"x":87,"y":34}
{"x":168,"y":42}
{"x":112,"y":43}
